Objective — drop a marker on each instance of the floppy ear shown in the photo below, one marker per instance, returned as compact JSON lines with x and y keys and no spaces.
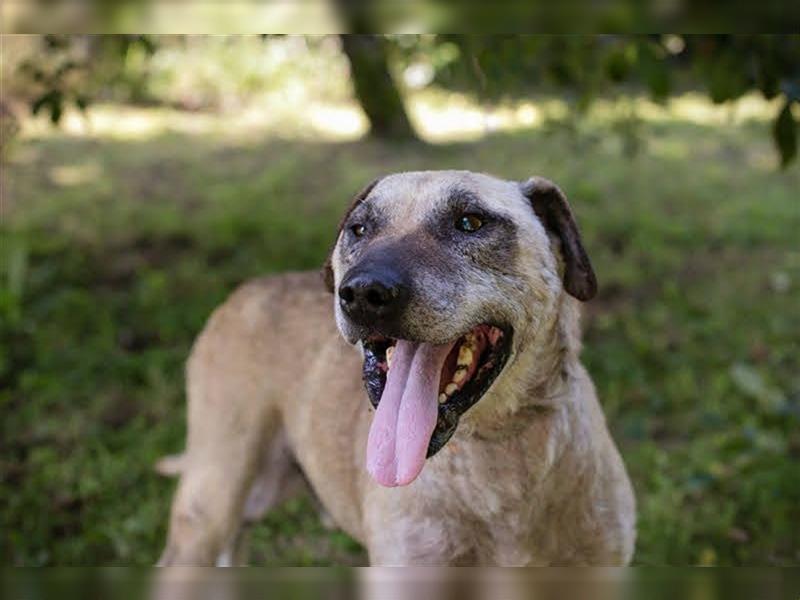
{"x":552,"y":208}
{"x":327,"y":267}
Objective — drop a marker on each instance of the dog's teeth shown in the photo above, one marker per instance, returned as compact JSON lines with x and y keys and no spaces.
{"x":451,"y":389}
{"x":464,"y":356}
{"x":389,"y":353}
{"x":460,"y":373}
{"x":442,"y":398}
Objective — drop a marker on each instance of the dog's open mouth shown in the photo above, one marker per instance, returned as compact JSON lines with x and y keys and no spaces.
{"x":420,"y":390}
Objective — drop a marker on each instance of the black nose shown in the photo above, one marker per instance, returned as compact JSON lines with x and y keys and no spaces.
{"x":373,"y":296}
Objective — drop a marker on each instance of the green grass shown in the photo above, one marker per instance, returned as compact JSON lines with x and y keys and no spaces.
{"x":115,"y":251}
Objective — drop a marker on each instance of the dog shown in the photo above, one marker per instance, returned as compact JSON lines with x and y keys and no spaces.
{"x":435,"y":403}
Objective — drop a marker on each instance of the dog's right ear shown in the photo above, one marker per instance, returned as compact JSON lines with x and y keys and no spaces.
{"x":327,"y":267}
{"x":552,"y":208}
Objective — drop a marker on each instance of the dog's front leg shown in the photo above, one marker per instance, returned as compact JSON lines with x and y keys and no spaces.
{"x":208,"y":510}
{"x":206,"y":519}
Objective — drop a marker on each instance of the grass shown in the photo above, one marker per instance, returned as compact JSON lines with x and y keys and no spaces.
{"x":116,"y":249}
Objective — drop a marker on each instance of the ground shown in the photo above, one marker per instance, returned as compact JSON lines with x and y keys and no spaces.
{"x":117,"y":247}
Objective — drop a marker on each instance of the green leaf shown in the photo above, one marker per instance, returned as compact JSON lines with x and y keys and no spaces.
{"x":784,"y":132}
{"x":727,"y":80}
{"x":148,"y":43}
{"x":768,"y":82}
{"x":82,"y":102}
{"x":56,"y":110}
{"x":654,"y":71}
{"x":42,"y":101}
{"x":617,"y":65}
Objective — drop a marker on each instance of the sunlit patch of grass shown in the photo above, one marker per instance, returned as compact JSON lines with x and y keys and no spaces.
{"x":69,"y":175}
{"x":439,"y":116}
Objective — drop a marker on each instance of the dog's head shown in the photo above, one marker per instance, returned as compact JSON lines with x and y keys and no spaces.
{"x":442,"y":276}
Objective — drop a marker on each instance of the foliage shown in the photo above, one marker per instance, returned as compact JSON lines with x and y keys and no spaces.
{"x":73,"y":70}
{"x":226,"y":73}
{"x":585,"y":68}
{"x":116,"y":250}
{"x":198,"y":72}
{"x":188,"y":72}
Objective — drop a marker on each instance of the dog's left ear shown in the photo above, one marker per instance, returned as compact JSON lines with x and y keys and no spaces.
{"x":327,"y":267}
{"x":551,"y":206}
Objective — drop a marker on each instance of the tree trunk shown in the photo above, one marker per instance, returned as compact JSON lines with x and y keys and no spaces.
{"x":374,"y":86}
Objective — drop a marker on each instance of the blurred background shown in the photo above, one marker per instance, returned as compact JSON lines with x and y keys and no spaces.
{"x":145,"y":176}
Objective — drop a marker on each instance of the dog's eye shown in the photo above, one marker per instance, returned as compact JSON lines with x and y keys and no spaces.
{"x":358,"y":229}
{"x":469,"y":223}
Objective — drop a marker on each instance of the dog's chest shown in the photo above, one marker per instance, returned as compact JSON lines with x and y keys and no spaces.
{"x":496,"y":486}
{"x":489,"y":489}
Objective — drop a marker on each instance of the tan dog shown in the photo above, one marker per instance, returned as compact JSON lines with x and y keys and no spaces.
{"x":461,"y":294}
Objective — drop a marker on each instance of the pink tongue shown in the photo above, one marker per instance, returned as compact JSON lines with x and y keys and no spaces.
{"x":406,"y":416}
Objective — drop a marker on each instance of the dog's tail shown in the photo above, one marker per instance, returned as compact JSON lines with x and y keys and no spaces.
{"x":171,"y":466}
